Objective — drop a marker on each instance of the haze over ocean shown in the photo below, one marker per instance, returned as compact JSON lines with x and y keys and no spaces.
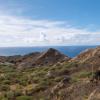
{"x":70,"y":51}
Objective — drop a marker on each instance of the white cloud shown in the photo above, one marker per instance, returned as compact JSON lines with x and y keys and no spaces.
{"x":15,"y":31}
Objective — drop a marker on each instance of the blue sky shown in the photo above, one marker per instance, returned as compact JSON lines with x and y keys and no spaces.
{"x":49,"y":22}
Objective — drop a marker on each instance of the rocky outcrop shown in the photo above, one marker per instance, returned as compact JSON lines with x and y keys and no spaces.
{"x":49,"y":57}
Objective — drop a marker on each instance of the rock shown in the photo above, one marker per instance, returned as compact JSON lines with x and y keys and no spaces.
{"x":66,"y":79}
{"x":50,"y":74}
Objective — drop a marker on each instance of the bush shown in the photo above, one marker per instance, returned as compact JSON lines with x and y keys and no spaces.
{"x":84,"y":74}
{"x":10,"y":95}
{"x":58,"y":79}
{"x":24,"y":98}
{"x":4,"y":99}
{"x":6,"y":82}
{"x":40,"y":87}
{"x":17,"y":93}
{"x":4,"y":87}
{"x":23,"y":82}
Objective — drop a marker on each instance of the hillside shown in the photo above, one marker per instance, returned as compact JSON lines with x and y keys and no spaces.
{"x":61,"y":78}
{"x":89,"y":54}
{"x":89,"y":57}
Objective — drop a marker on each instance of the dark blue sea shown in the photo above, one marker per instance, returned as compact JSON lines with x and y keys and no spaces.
{"x":70,"y":51}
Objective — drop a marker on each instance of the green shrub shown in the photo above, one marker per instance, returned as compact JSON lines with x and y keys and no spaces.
{"x":58,"y":79}
{"x":24,"y":98}
{"x":4,"y":87}
{"x":4,"y":98}
{"x":10,"y":95}
{"x":84,"y":74}
{"x":6,"y":82}
{"x":23,"y":82}
{"x":39,"y":88}
{"x":17,"y":93}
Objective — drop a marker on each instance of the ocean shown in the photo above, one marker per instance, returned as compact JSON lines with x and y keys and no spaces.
{"x":70,"y":51}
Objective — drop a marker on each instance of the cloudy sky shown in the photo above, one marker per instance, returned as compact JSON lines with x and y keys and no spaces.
{"x":49,"y":22}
